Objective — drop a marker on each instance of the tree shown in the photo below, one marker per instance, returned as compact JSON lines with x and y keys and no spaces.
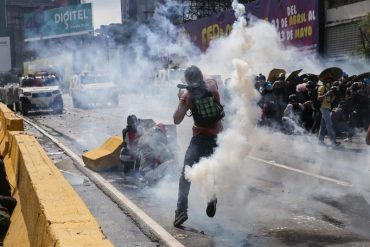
{"x":365,"y":36}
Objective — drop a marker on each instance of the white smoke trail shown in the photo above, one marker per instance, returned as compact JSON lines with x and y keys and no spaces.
{"x":234,"y":146}
{"x":247,"y":51}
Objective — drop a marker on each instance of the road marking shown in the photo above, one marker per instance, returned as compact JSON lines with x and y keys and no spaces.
{"x":328,"y":179}
{"x":146,"y":223}
{"x":140,"y":217}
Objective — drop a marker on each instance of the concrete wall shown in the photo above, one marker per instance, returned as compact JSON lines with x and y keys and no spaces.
{"x":49,"y":212}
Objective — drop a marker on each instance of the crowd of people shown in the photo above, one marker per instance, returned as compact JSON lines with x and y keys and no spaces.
{"x":331,"y":103}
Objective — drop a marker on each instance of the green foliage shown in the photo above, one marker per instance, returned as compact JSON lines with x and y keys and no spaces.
{"x":365,"y":36}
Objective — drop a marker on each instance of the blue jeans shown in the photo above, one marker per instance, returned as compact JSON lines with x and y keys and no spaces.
{"x":326,"y":125}
{"x":199,"y":147}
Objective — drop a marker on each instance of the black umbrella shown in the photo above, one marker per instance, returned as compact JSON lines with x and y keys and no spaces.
{"x":362,"y":77}
{"x":293,"y":75}
{"x":334,"y":73}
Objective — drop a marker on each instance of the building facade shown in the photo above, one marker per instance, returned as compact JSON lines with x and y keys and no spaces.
{"x":12,"y":25}
{"x":137,"y":10}
{"x":342,"y":34}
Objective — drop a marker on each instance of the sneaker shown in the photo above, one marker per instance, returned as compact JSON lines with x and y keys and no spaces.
{"x":334,"y":144}
{"x":348,"y":139}
{"x":180,"y":218}
{"x":211,"y":208}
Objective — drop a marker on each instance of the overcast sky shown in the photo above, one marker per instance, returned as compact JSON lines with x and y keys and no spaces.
{"x":105,"y":12}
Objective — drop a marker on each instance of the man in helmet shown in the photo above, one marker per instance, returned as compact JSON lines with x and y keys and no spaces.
{"x":205,"y":131}
{"x":279,"y":90}
{"x":260,"y":81}
{"x":130,"y":135}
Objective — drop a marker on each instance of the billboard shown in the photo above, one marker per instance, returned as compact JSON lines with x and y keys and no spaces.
{"x":297,"y":22}
{"x":5,"y":61}
{"x":59,"y":22}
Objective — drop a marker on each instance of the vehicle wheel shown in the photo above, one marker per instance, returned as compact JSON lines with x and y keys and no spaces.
{"x":76,"y":103}
{"x":58,"y":105}
{"x":10,"y":106}
{"x":24,"y":107}
{"x":15,"y":106}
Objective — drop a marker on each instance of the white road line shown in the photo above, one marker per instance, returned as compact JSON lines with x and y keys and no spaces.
{"x":138,"y":215}
{"x":328,"y":179}
{"x":136,"y":212}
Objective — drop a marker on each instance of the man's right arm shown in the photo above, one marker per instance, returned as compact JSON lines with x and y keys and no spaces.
{"x":180,"y":112}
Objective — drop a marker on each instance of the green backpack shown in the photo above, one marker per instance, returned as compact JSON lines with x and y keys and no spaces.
{"x":206,"y":111}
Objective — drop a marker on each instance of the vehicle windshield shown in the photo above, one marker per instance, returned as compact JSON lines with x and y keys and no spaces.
{"x":90,"y":79}
{"x":39,"y":81}
{"x":50,"y":81}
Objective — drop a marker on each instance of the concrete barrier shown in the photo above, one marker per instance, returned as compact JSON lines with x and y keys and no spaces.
{"x":104,"y":157}
{"x":17,"y":232}
{"x":49,"y":212}
{"x":9,"y":122}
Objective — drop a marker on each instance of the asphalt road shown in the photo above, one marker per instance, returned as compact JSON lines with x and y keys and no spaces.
{"x":279,"y":207}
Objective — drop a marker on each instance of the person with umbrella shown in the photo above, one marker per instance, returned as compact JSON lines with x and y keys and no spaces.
{"x":326,"y":97}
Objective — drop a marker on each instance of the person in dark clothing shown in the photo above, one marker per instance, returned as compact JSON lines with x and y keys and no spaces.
{"x":130,"y":135}
{"x":269,"y":108}
{"x":280,"y":92}
{"x":204,"y":139}
{"x":7,"y":203}
{"x":339,"y":120}
{"x":360,"y":105}
{"x":5,"y":189}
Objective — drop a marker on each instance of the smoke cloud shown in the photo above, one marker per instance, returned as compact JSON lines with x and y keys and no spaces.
{"x":248,"y":188}
{"x":248,"y":51}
